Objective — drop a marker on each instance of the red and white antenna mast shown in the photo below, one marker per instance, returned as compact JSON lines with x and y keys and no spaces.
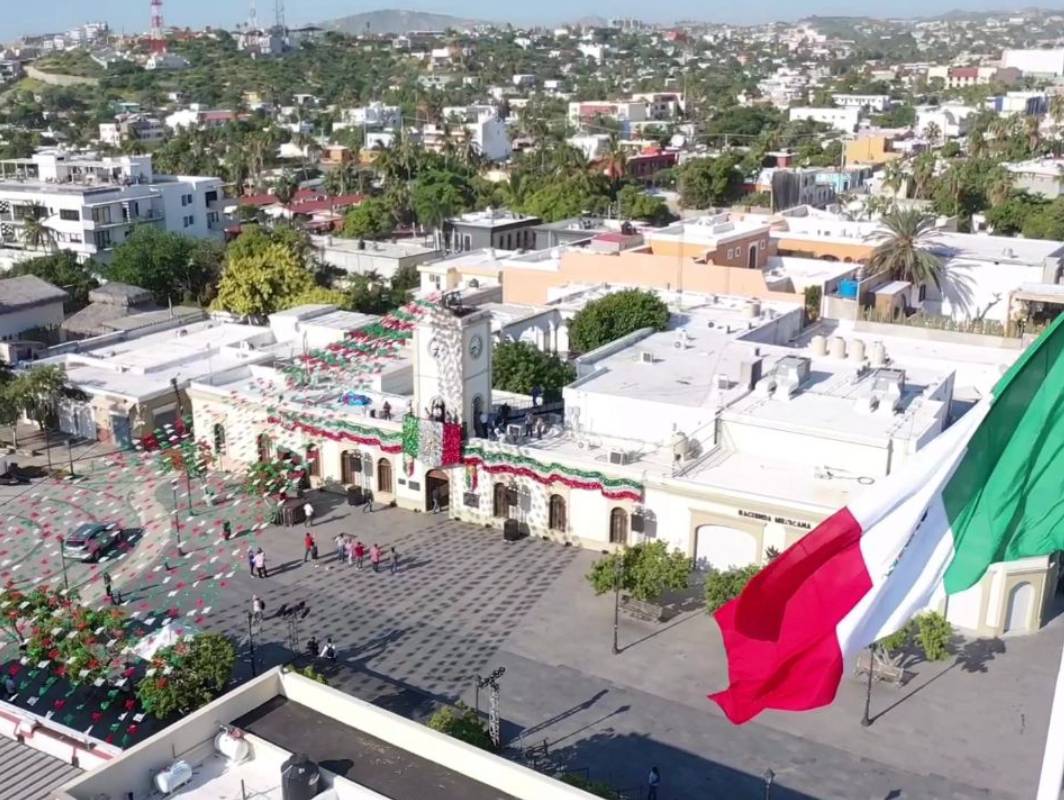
{"x":158,"y":42}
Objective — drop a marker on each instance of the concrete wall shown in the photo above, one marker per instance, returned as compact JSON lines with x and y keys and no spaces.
{"x":15,"y":322}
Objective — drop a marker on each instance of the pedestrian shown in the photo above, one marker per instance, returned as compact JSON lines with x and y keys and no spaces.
{"x":367,"y":506}
{"x":528,"y":425}
{"x":257,"y":607}
{"x":227,"y":530}
{"x":653,"y":781}
{"x":308,"y":514}
{"x":10,"y":687}
{"x":260,"y":563}
{"x":107,"y":586}
{"x":349,"y":551}
{"x":312,"y":646}
{"x":328,"y":650}
{"x":375,"y":557}
{"x":251,"y":560}
{"x":308,"y":546}
{"x":394,"y":565}
{"x":340,"y":547}
{"x":360,"y":553}
{"x":436,"y":500}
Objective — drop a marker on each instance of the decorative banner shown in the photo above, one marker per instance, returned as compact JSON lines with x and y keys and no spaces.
{"x":430,"y":443}
{"x":546,"y":474}
{"x":411,"y":435}
{"x":339,"y":430}
{"x":452,"y":444}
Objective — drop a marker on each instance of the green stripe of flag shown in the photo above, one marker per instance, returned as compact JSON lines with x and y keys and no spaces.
{"x":1006,"y":499}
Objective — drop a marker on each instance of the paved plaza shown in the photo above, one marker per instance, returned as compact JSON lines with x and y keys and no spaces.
{"x":465,"y":602}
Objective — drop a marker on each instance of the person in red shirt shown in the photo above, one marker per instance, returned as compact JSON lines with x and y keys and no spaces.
{"x":308,"y":546}
{"x":360,"y":553}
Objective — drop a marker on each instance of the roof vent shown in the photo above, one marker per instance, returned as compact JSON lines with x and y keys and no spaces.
{"x":646,"y":357}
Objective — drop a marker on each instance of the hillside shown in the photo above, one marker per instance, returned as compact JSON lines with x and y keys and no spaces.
{"x":397,"y":21}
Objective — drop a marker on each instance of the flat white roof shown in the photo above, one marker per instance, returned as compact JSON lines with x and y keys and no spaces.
{"x":709,"y":230}
{"x":399,"y":249}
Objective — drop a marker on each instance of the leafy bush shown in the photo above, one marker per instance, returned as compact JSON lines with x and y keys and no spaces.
{"x":648,"y":571}
{"x":608,"y":319}
{"x":463,"y":723}
{"x":933,"y":634}
{"x":725,"y":585}
{"x":519,"y":366}
{"x":188,"y":675}
{"x":597,"y":788}
{"x":312,"y":674}
{"x":896,"y":641}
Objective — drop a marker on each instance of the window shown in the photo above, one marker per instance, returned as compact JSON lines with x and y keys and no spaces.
{"x":314,"y":461}
{"x":186,"y":200}
{"x":468,"y":242}
{"x":731,"y":252}
{"x":211,"y":196}
{"x":102,"y":215}
{"x":189,"y":221}
{"x":69,"y":214}
{"x":74,"y":238}
{"x":500,"y":501}
{"x":350,"y":467}
{"x":103,"y":240}
{"x":212,"y":217}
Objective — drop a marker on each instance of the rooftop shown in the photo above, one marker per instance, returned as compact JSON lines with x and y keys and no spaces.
{"x":28,"y":774}
{"x":27,"y":291}
{"x":493,"y":217}
{"x":397,"y":249}
{"x":710,"y":230}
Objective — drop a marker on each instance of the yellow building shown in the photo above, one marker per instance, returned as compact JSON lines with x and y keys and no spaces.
{"x":873,"y":150}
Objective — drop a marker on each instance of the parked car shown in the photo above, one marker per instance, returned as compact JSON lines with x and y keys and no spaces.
{"x":90,"y":540}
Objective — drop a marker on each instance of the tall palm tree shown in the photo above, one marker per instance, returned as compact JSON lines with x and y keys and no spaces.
{"x":932,"y":133}
{"x":36,"y":233}
{"x":903,"y":249}
{"x":615,"y":162}
{"x":998,"y":186}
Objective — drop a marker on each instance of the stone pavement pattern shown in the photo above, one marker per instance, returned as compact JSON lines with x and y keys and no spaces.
{"x":465,"y":602}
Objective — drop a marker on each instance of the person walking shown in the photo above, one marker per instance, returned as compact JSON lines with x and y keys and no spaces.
{"x":436,"y":501}
{"x":308,"y":546}
{"x":107,"y":586}
{"x":328,"y":650}
{"x":367,"y":506}
{"x":349,"y":551}
{"x":260,"y":563}
{"x":653,"y":782}
{"x":251,"y":560}
{"x":394,"y":564}
{"x":308,"y":514}
{"x":257,"y":607}
{"x":375,"y":557}
{"x":360,"y":553}
{"x":341,"y":548}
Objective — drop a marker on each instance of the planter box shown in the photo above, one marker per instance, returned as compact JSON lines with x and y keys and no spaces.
{"x":644,"y":610}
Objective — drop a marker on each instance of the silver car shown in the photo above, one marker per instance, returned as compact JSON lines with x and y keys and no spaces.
{"x":90,"y":540}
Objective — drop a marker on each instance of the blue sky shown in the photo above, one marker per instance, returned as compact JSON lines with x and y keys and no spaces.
{"x":132,"y":15}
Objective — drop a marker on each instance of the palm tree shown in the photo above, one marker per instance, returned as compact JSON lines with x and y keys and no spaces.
{"x":615,"y":162}
{"x":36,"y":234}
{"x":285,"y":188}
{"x":894,"y":177}
{"x":932,"y":133}
{"x":903,"y":248}
{"x":998,"y":186}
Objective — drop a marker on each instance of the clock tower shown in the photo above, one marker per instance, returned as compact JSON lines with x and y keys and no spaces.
{"x":452,"y":362}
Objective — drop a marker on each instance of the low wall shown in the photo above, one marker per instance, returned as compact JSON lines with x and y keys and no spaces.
{"x":58,"y":741}
{"x":937,"y":335}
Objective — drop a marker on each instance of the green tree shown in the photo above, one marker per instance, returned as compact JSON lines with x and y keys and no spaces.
{"x":520,"y":366}
{"x":637,"y":204}
{"x":903,"y":249}
{"x":370,"y":219}
{"x":38,"y":392}
{"x":439,"y":195}
{"x":463,"y":723}
{"x":63,"y":270}
{"x":647,"y":570}
{"x":315,"y":295}
{"x":36,"y":233}
{"x":164,"y":263}
{"x":723,"y":586}
{"x":706,"y":182}
{"x":259,"y":283}
{"x":187,"y":676}
{"x":933,"y":634}
{"x":616,"y":315}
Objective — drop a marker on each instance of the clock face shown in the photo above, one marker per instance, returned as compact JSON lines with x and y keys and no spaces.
{"x":476,"y":346}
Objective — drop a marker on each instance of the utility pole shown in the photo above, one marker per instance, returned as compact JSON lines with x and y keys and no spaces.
{"x":251,"y":646}
{"x":867,"y":720}
{"x":70,"y":458}
{"x":62,"y":561}
{"x":491,"y":682}
{"x":618,"y":579}
{"x":176,"y":523}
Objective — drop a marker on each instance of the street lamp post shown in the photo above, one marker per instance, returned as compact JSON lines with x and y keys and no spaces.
{"x":866,"y":720}
{"x":769,"y":776}
{"x":176,"y":524}
{"x":70,"y":458}
{"x":618,"y":579}
{"x":251,"y":645}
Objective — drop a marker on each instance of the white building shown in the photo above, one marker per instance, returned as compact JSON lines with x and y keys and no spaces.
{"x":842,"y":119}
{"x":132,"y":128}
{"x":238,"y":745}
{"x":952,"y":120}
{"x":91,"y":205}
{"x":625,"y":112}
{"x":872,"y":102}
{"x":375,"y":116}
{"x":480,"y":123}
{"x":28,"y":303}
{"x":363,"y":258}
{"x":1035,"y":62}
{"x":592,"y":145}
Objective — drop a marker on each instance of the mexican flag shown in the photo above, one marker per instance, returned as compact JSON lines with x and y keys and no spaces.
{"x":988,"y":489}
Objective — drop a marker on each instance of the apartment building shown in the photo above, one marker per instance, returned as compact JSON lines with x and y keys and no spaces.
{"x":625,"y":112}
{"x":90,"y":205}
{"x":132,"y":128}
{"x":375,"y":116}
{"x":1048,"y":63}
{"x":872,"y":102}
{"x":841,"y":119}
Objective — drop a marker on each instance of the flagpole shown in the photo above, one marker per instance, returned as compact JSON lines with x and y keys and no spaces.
{"x":1053,"y":759}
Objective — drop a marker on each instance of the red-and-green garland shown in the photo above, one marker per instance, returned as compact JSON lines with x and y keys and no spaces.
{"x":547,"y":474}
{"x":340,"y":430}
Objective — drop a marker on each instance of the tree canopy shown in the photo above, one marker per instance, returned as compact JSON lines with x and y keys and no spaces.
{"x":706,"y":182}
{"x":616,"y":315}
{"x":903,"y":248}
{"x":647,"y":570}
{"x":258,"y":283}
{"x":174,"y":268}
{"x":520,"y":367}
{"x":188,"y":675}
{"x":370,"y":219}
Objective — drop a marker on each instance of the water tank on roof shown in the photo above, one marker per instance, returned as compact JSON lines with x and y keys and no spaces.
{"x":300,"y":778}
{"x":857,"y":351}
{"x":752,"y":310}
{"x":838,"y":347}
{"x":819,"y":345}
{"x":879,"y":354}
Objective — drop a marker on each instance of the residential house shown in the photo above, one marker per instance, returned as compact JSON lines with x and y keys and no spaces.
{"x":28,"y":303}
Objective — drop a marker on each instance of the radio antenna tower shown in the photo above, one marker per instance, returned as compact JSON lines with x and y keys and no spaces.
{"x":158,"y":42}
{"x":278,"y":13}
{"x":253,"y":17}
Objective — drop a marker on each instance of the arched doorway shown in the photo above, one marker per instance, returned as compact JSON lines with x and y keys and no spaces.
{"x":751,"y":261}
{"x":500,"y":501}
{"x":1018,"y":616}
{"x":556,"y":513}
{"x":618,"y":526}
{"x":351,"y":467}
{"x":720,"y":547}
{"x":313,"y":459}
{"x":438,"y":488}
{"x":264,"y":446}
{"x":384,"y":476}
{"x":219,"y":439}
